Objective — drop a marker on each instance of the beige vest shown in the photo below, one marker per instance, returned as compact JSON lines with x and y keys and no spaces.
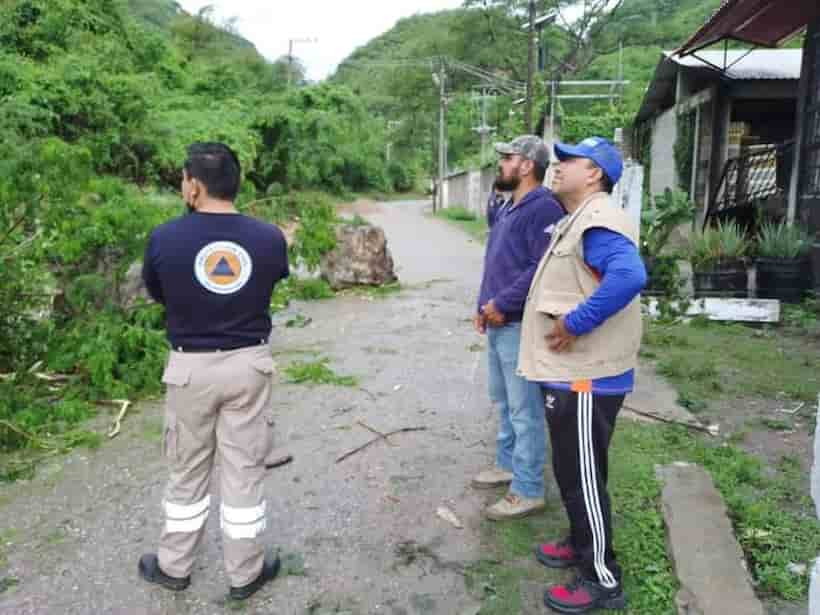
{"x":561,"y":282}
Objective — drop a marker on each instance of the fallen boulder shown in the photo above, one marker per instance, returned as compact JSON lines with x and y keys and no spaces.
{"x":361,"y":257}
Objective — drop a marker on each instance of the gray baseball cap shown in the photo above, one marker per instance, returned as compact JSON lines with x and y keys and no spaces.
{"x":529,"y":147}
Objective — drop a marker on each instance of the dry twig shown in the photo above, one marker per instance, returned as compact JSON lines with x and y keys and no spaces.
{"x":369,"y":442}
{"x":375,"y":431}
{"x":124,"y":404}
{"x":663,"y":419}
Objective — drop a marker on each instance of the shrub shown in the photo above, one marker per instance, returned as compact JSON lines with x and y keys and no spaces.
{"x":782,"y":241}
{"x":713,"y":245}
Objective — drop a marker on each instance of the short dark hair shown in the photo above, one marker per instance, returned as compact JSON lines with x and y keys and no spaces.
{"x":215,"y":165}
{"x":606,"y":183}
{"x":539,"y":171}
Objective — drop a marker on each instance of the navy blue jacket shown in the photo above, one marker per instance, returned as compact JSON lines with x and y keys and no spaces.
{"x":519,"y":236}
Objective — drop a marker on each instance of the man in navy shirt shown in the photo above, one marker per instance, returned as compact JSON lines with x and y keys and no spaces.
{"x":214,"y":271}
{"x":519,"y":234}
{"x":580,"y":337}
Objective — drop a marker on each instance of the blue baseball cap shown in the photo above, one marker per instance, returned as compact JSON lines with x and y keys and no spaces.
{"x":598,"y":150}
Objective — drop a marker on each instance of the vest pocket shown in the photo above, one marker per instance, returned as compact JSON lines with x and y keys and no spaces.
{"x":557,"y":304}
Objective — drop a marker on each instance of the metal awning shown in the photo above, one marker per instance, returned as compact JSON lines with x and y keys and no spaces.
{"x":764,"y":23}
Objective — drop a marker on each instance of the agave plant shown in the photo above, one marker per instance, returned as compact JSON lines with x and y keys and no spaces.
{"x":779,"y":240}
{"x":725,"y":242}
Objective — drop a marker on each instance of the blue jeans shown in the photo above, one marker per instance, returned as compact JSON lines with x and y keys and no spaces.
{"x":521,"y":443}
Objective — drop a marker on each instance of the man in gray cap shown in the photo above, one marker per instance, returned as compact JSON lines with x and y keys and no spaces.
{"x":520,"y":231}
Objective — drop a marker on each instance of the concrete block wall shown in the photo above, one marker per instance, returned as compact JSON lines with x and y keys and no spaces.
{"x":664,"y":173}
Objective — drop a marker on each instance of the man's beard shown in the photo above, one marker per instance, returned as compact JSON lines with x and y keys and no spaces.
{"x":509,"y":184}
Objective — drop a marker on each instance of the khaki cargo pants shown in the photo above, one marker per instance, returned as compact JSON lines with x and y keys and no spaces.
{"x":217,"y":403}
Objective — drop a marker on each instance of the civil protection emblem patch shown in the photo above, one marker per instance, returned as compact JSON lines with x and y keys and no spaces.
{"x":223,"y":267}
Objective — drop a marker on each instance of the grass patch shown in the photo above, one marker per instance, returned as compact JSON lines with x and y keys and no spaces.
{"x":152,"y":430}
{"x":6,"y":583}
{"x":293,"y":565}
{"x":708,"y":360}
{"x":773,"y":523}
{"x":459,"y":214}
{"x":374,"y":292}
{"x":356,"y":220}
{"x":776,"y":424}
{"x":466,"y":220}
{"x":317,"y":372}
{"x":22,"y":463}
{"x":299,"y":289}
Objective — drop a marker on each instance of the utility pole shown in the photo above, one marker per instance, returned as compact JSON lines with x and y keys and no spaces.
{"x":441,"y":80}
{"x":530,"y":71}
{"x":483,"y":129}
{"x":392,"y":125}
{"x":290,"y":61}
{"x":290,"y":54}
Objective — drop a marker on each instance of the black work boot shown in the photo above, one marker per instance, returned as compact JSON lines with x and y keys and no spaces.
{"x":270,"y":568}
{"x":151,"y":572}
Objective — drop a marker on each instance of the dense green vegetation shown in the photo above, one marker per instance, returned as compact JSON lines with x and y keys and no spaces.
{"x":98,"y":101}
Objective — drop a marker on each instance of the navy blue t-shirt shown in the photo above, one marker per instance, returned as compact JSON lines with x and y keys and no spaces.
{"x":215,"y":274}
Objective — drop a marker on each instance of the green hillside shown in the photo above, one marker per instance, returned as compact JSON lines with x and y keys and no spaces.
{"x":392,"y":72}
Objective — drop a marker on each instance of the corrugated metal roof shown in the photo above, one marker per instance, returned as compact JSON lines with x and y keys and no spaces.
{"x":759,"y":64}
{"x":760,"y":22}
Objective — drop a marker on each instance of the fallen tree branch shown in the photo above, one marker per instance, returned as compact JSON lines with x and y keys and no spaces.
{"x":375,"y":431}
{"x":663,"y":419}
{"x":368,"y":443}
{"x":52,"y":377}
{"x":278,"y":461}
{"x":124,"y":404}
{"x":33,"y":439}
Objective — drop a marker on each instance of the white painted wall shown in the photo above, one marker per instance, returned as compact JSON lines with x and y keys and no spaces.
{"x":663,"y":174}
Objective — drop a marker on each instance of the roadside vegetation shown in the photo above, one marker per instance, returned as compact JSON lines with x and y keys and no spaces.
{"x":475,"y":226}
{"x":769,"y":507}
{"x":98,"y":101}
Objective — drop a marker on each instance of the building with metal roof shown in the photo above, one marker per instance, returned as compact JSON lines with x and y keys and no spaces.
{"x":726,"y":105}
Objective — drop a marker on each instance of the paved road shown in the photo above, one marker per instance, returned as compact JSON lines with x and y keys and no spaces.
{"x":365,"y":528}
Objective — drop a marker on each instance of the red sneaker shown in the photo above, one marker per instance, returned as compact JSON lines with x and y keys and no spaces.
{"x":582,"y":596}
{"x":557,"y":554}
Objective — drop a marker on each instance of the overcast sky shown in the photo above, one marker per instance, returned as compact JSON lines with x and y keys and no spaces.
{"x":338,"y":25}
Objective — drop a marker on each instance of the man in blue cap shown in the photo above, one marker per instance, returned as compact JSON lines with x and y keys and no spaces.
{"x":580,"y":336}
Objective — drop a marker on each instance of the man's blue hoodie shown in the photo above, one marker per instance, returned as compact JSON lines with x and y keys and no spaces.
{"x":519,"y":236}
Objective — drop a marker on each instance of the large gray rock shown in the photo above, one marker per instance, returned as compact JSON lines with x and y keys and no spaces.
{"x":708,"y":560}
{"x":360,"y":257}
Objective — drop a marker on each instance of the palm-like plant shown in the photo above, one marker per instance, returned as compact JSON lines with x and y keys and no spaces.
{"x":723,"y":243}
{"x":779,"y":240}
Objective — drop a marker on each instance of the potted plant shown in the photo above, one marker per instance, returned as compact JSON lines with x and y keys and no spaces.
{"x":782,"y":262}
{"x":717,"y":255}
{"x":669,"y":211}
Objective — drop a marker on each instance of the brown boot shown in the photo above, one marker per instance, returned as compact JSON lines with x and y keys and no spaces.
{"x":514,"y":506}
{"x":494,"y":477}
